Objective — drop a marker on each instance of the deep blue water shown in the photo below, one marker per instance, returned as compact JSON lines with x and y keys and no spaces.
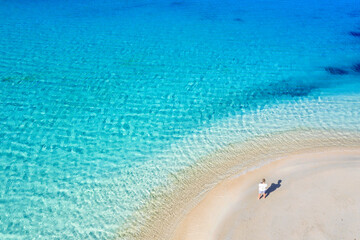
{"x":101,"y":100}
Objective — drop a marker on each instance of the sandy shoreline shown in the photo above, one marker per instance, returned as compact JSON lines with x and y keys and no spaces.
{"x":170,"y":210}
{"x":313,"y":196}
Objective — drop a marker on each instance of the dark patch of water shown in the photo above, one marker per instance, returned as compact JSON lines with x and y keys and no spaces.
{"x":354,"y":14}
{"x":177,"y":4}
{"x":336,"y":71}
{"x":7,"y":79}
{"x":354,"y":34}
{"x":238,"y":20}
{"x":293,"y":88}
{"x":18,"y":79}
{"x":356,"y":67}
{"x":275,"y":90}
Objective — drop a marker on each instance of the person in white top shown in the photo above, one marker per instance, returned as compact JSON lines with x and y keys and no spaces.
{"x":262,"y":189}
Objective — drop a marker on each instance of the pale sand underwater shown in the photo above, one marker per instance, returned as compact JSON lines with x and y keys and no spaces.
{"x":313,"y":196}
{"x":314,"y":175}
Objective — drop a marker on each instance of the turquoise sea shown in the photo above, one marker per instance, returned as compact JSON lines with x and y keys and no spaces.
{"x":102,"y":101}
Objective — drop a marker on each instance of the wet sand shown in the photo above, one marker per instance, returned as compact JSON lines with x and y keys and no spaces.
{"x":217,"y":197}
{"x":312,"y":195}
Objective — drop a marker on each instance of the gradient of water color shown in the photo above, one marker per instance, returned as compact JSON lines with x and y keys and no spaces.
{"x":101,"y":101}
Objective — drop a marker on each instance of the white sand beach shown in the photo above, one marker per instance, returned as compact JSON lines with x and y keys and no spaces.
{"x":313,"y":195}
{"x":313,"y":177}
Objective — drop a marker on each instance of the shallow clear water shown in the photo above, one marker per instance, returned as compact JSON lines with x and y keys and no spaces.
{"x":101,"y":101}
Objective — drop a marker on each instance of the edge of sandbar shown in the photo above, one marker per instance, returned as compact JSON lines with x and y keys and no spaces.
{"x":165,"y":208}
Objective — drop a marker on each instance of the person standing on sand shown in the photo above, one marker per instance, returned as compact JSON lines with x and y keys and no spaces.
{"x":262,"y":189}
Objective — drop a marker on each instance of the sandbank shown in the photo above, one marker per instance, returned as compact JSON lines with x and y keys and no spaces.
{"x":217,"y":197}
{"x":313,"y":195}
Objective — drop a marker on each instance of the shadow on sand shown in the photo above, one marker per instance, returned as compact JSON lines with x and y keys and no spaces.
{"x":273,"y":187}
